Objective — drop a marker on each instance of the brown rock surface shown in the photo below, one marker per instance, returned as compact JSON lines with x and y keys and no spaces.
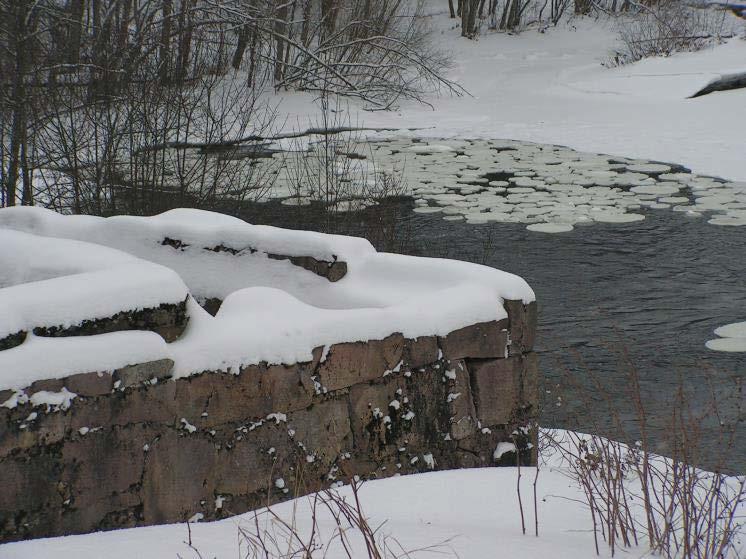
{"x":150,"y":452}
{"x":132,"y":375}
{"x":89,"y":384}
{"x":497,"y":389}
{"x":483,"y":340}
{"x":350,"y":363}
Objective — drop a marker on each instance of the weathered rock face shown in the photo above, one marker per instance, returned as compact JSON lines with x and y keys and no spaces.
{"x":333,"y":270}
{"x":168,"y":320}
{"x":12,"y":340}
{"x":135,"y":448}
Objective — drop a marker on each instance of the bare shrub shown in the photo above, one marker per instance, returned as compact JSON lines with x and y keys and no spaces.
{"x":667,"y":26}
{"x":335,"y":522}
{"x":513,"y":16}
{"x":556,"y":11}
{"x":506,"y":15}
{"x":67,"y":63}
{"x":633,"y":493}
{"x":152,"y":148}
{"x":377,"y":51}
{"x":682,"y":511}
{"x":335,"y":172}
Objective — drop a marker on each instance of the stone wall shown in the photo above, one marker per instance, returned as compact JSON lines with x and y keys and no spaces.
{"x":168,"y":320}
{"x":138,"y":448}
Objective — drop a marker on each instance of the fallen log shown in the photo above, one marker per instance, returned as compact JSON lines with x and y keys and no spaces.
{"x":223,"y":145}
{"x":738,"y":9}
{"x":723,"y":83}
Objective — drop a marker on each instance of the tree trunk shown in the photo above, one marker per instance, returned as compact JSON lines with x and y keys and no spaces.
{"x":242,"y":43}
{"x":582,"y":7}
{"x":288,"y":46}
{"x":185,"y":39}
{"x":465,"y":18}
{"x":115,"y":79}
{"x":329,"y":9}
{"x":18,"y":98}
{"x":96,"y":14}
{"x":27,"y":198}
{"x":19,"y":121}
{"x":281,"y":29}
{"x":124,"y":25}
{"x":75,"y":28}
{"x":252,"y":54}
{"x":469,"y":10}
{"x":306,"y":23}
{"x":514,"y":19}
{"x":164,"y":55}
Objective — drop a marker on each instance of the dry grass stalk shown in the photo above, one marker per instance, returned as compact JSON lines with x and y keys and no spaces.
{"x":682,"y":510}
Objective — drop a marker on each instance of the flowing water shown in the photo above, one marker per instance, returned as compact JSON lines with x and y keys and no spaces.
{"x":647,"y":295}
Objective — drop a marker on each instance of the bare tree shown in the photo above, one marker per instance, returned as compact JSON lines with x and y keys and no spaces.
{"x":469,"y":21}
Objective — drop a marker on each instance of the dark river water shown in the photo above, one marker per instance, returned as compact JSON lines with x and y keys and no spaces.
{"x":616,"y":298}
{"x":615,"y":302}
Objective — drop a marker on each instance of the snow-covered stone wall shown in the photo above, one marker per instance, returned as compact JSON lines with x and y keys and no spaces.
{"x":362,"y":364}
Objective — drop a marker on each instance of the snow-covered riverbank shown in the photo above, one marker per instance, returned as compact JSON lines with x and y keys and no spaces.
{"x":552,"y":88}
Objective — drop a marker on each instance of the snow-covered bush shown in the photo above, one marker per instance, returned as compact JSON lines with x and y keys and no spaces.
{"x":667,"y":26}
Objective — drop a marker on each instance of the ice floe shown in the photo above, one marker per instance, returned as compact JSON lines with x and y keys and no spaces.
{"x":549,"y":188}
{"x":732,"y":338}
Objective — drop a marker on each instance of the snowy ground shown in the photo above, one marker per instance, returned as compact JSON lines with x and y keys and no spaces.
{"x":475,"y":509}
{"x":552,"y":88}
{"x":473,"y":514}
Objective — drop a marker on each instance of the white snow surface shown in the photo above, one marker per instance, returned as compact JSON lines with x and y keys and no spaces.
{"x":552,"y":88}
{"x":40,"y":358}
{"x":473,"y":513}
{"x":474,"y":507}
{"x":273,"y":311}
{"x":59,"y":282}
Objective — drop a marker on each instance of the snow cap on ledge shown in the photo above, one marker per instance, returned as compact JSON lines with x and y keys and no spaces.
{"x":273,"y":311}
{"x":49,"y":282}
